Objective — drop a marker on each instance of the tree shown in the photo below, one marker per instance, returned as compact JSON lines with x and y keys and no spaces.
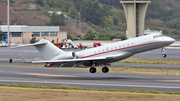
{"x":174,"y":23}
{"x":114,"y":3}
{"x":69,"y":36}
{"x":61,"y":19}
{"x":175,"y":31}
{"x":12,"y":1}
{"x":90,"y":35}
{"x":109,"y":21}
{"x":33,"y":40}
{"x":92,"y":12}
{"x":56,"y":20}
{"x":66,"y":5}
{"x":2,"y":36}
{"x":106,"y":7}
{"x":115,"y":20}
{"x":79,"y":37}
{"x":73,"y":12}
{"x":104,"y":37}
{"x":39,"y":2}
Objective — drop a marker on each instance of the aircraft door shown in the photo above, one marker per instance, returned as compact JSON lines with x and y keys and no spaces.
{"x":107,"y":49}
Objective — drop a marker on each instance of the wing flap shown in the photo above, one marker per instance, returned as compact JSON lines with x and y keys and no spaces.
{"x":70,"y":60}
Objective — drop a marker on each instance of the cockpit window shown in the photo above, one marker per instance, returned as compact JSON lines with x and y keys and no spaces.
{"x":156,"y":36}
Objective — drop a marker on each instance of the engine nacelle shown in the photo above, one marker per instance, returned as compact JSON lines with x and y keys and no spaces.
{"x":65,"y":55}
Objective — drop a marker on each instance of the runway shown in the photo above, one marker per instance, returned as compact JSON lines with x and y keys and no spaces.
{"x":50,"y":76}
{"x":32,"y":54}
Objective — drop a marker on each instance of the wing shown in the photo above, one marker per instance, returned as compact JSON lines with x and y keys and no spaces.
{"x":70,"y":60}
{"x":78,"y":62}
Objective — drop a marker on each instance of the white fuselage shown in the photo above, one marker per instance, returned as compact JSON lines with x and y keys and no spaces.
{"x":127,"y":48}
{"x":100,"y":55}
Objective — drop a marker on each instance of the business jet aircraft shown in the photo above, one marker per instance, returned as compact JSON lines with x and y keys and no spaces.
{"x":99,"y":56}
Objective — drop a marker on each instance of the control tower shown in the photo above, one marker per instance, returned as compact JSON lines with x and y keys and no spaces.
{"x":135,"y":12}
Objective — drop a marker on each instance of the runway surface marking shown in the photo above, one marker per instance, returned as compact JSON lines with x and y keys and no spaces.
{"x":39,"y":58}
{"x":47,"y":75}
{"x":91,"y":84}
{"x":171,"y":80}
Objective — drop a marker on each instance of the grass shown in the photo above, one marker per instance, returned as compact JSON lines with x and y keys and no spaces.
{"x":151,"y":61}
{"x":66,"y":87}
{"x":39,"y":94}
{"x":147,"y":71}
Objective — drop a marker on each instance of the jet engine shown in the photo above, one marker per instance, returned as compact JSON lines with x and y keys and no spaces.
{"x":66,"y":55}
{"x":63,"y":56}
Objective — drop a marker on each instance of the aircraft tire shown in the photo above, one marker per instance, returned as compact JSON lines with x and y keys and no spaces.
{"x":92,"y":70}
{"x":164,"y":55}
{"x":105,"y":69}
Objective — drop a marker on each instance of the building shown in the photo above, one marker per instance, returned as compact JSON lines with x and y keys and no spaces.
{"x":135,"y":12}
{"x":148,"y":31}
{"x":23,"y":34}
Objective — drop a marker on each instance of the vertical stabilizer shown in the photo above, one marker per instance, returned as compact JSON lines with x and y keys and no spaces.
{"x":48,"y":50}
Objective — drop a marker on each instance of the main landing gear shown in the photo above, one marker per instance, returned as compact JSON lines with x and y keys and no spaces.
{"x":105,"y":69}
{"x":93,"y":69}
{"x":163,"y":52}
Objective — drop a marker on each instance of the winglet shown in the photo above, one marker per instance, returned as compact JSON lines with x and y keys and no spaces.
{"x":24,"y":59}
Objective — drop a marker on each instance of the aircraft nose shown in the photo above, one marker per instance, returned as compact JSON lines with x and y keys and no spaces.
{"x":172,"y":40}
{"x":169,"y":40}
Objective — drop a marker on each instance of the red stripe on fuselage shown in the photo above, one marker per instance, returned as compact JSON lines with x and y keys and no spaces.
{"x":122,"y":49}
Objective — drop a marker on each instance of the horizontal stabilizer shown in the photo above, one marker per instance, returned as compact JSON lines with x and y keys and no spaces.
{"x":35,"y":44}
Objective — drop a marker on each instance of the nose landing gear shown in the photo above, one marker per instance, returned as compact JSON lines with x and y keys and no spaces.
{"x":163,"y":53}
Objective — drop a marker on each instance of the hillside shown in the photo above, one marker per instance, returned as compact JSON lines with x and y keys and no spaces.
{"x":22,"y":15}
{"x":101,"y":16}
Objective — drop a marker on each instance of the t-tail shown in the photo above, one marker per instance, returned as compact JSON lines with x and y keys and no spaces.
{"x":46,"y":48}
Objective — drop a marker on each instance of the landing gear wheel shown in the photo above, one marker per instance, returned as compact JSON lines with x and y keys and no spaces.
{"x":164,"y":55}
{"x":105,"y":69}
{"x":92,"y":70}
